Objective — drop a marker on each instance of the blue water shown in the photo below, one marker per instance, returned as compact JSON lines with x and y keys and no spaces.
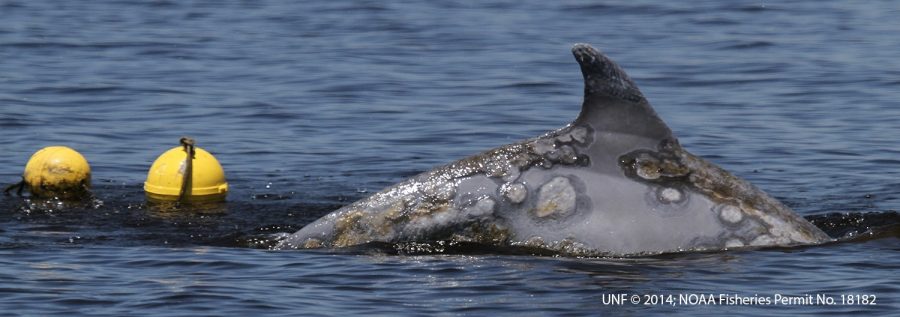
{"x":310,"y":105}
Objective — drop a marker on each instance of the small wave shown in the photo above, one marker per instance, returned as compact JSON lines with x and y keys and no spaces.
{"x":718,"y":21}
{"x":859,"y":226}
{"x":627,"y":9}
{"x":531,"y":84}
{"x":746,"y":45}
{"x":752,"y":8}
{"x":98,"y":89}
{"x":96,"y":45}
{"x":8,"y":123}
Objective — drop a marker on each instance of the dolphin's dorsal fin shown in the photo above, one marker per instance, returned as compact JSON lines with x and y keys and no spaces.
{"x":612,"y":102}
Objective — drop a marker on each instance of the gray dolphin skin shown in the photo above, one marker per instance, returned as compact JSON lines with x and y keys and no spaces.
{"x":614,"y":182}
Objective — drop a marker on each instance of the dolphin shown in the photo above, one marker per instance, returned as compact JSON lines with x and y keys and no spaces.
{"x":615,"y":182}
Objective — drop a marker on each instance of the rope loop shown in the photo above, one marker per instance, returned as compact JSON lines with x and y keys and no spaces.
{"x":186,"y":181}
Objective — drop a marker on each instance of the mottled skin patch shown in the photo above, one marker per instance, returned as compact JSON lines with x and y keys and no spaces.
{"x":731,"y":214}
{"x":734,"y":243}
{"x":348,"y":230}
{"x":418,"y":208}
{"x":729,"y":189}
{"x":671,"y":164}
{"x":487,"y":233}
{"x":514,"y":192}
{"x":312,"y":244}
{"x":670,"y":195}
{"x":614,"y":182}
{"x":555,"y":198}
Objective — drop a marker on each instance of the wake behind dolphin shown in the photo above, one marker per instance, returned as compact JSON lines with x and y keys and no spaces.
{"x":614,"y":182}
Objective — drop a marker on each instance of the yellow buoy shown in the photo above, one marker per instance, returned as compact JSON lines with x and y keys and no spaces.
{"x":206,"y":182}
{"x":57,"y":171}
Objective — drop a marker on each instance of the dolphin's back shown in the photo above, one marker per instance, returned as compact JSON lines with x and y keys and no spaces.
{"x":615,"y":181}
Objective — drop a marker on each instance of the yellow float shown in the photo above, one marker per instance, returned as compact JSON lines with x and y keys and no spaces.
{"x":57,"y":171}
{"x":173,"y":177}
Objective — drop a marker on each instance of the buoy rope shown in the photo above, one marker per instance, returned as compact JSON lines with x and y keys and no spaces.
{"x":20,"y":184}
{"x":188,"y":145}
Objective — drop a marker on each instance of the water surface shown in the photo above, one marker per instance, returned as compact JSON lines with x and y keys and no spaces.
{"x":312,"y":105}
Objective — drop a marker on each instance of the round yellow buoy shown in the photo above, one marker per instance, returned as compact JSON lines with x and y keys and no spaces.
{"x":167,"y":175}
{"x":57,"y":171}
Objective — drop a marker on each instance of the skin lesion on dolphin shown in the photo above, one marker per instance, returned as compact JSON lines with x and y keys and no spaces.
{"x":670,"y":166}
{"x":358,"y":228}
{"x":515,"y":193}
{"x":567,"y":246}
{"x":508,"y":162}
{"x":362,"y":223}
{"x":312,"y":243}
{"x":484,"y":233}
{"x":416,"y":211}
{"x":663,"y":165}
{"x":783,"y":225}
{"x":348,"y":230}
{"x":561,"y":147}
{"x":556,"y":198}
{"x":614,"y":181}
